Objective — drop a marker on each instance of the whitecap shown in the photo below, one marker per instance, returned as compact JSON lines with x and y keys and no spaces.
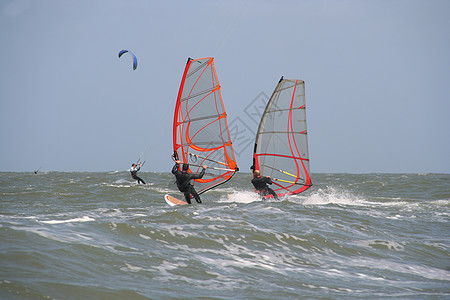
{"x":332,"y":196}
{"x":241,"y":197}
{"x":132,"y":268}
{"x":145,"y":237}
{"x":82,"y":219}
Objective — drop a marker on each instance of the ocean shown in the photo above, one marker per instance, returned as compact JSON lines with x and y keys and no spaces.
{"x":102,"y":236}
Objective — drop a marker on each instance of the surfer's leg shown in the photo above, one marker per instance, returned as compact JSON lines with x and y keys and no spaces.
{"x":261,"y":194}
{"x":272,"y":192}
{"x":140,"y":180}
{"x":187,"y":197}
{"x":196,"y":196}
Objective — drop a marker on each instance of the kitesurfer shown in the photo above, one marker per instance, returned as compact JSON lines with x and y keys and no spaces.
{"x":261,"y":184}
{"x":134,"y":169}
{"x":184,"y":180}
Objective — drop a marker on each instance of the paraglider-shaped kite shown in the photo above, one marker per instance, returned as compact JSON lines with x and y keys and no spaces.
{"x":134,"y":57}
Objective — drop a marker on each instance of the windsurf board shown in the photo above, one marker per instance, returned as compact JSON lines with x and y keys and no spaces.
{"x":172,"y":201}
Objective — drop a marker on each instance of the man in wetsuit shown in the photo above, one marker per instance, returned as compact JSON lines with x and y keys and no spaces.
{"x":134,"y":169}
{"x":183,"y":181}
{"x":260,"y":184}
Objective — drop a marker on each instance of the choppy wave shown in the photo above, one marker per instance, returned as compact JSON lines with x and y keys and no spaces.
{"x":101,"y":235}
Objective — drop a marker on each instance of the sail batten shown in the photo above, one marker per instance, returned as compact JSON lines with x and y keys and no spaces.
{"x":200,"y":129}
{"x":281,"y":145}
{"x":271,"y":132}
{"x":286,"y":109}
{"x":200,"y":93}
{"x":203,"y":118}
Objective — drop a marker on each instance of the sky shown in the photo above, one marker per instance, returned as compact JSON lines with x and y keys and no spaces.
{"x":377,"y":77}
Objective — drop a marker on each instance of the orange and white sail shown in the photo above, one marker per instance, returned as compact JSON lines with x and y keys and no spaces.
{"x":281,"y":145}
{"x":200,"y":128}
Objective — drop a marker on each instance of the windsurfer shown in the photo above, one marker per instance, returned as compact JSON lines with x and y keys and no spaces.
{"x":133,"y":170}
{"x":260,"y":183}
{"x":184,"y":178}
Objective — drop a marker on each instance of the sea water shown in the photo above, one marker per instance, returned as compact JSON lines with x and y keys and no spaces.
{"x":102,"y":236}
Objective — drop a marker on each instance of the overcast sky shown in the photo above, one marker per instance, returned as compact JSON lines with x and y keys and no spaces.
{"x":377,"y":77}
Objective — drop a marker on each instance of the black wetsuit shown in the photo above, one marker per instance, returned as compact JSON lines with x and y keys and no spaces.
{"x":260,"y":184}
{"x":184,"y":184}
{"x":133,"y":172}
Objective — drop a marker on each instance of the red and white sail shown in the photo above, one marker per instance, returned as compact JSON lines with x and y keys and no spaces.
{"x":200,"y":128}
{"x":281,"y":145}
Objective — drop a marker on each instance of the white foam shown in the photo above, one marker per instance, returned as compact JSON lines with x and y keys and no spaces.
{"x":58,"y":236}
{"x":82,"y":219}
{"x":391,"y":245}
{"x":131,"y":268}
{"x":332,"y":196}
{"x":225,"y":190}
{"x":165,"y":190}
{"x":241,"y":197}
{"x":145,"y":237}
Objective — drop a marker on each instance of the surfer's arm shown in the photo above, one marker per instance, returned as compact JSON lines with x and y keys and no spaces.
{"x":199,"y":175}
{"x":202,"y":172}
{"x":255,"y":183}
{"x":175,"y":168}
{"x":268,"y":180}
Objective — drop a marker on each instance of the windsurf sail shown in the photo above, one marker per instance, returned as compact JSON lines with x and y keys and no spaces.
{"x":281,"y":145}
{"x":200,"y":128}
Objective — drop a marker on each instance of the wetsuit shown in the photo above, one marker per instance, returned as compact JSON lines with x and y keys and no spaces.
{"x":133,"y":172}
{"x":260,"y":184}
{"x":184,"y":184}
